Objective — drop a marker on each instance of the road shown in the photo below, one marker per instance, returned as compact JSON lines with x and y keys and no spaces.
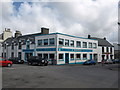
{"x":63,"y":76}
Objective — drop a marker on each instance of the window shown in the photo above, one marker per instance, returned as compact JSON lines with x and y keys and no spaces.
{"x":61,"y":41}
{"x":60,"y":56}
{"x":45,"y":41}
{"x":19,"y":45}
{"x":28,"y":45}
{"x":12,"y":54}
{"x":94,"y":45}
{"x":39,"y":42}
{"x":72,"y":56}
{"x":78,"y":44}
{"x":12,"y":47}
{"x":78,"y":56}
{"x":40,"y":55}
{"x":51,"y":41}
{"x":72,"y":43}
{"x":45,"y":56}
{"x":5,"y":46}
{"x":90,"y":45}
{"x":66,"y":42}
{"x":102,"y":49}
{"x":51,"y":56}
{"x":5,"y":55}
{"x":111,"y":49}
{"x":107,"y":49}
{"x":84,"y":56}
{"x":84,"y":44}
{"x":19,"y":55}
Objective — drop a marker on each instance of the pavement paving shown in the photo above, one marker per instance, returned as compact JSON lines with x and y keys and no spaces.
{"x":62,"y":76}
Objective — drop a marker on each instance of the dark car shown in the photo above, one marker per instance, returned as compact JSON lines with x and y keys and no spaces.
{"x":36,"y":60}
{"x":89,"y":62}
{"x":116,"y":61}
{"x":16,"y":60}
{"x":108,"y":61}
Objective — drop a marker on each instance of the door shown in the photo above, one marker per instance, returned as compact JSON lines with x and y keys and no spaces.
{"x":66,"y":58}
{"x":90,"y":56}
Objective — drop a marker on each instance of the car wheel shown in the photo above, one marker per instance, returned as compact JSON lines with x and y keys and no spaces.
{"x":9,"y":65}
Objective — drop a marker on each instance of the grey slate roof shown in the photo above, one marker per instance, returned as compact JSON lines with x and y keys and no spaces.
{"x":102,"y":42}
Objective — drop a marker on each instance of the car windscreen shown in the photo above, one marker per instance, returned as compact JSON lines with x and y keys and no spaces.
{"x":1,"y":59}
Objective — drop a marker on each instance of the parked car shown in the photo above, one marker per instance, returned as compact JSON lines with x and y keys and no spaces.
{"x":108,"y":61}
{"x":36,"y":60}
{"x":89,"y":62}
{"x":116,"y":61}
{"x":5,"y":62}
{"x":16,"y":60}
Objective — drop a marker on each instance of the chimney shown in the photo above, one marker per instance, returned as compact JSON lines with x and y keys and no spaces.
{"x":44,"y":30}
{"x":104,"y":38}
{"x":89,"y":36}
{"x":18,"y":33}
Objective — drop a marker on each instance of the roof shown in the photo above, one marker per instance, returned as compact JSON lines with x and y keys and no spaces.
{"x":102,"y":42}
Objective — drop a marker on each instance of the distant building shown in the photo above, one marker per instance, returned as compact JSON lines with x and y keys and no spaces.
{"x":117,"y":50}
{"x":6,"y":34}
{"x":105,"y":48}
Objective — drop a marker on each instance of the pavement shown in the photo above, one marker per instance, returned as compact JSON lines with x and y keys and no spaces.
{"x":61,"y":76}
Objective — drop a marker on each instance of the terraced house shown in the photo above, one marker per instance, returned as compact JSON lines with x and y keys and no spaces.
{"x":58,"y":48}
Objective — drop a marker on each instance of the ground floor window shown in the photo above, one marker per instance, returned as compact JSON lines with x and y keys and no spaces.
{"x":19,"y":55}
{"x":12,"y":54}
{"x":45,"y":56}
{"x":61,"y":56}
{"x":72,"y":56}
{"x":78,"y":56}
{"x":51,"y":56}
{"x":84,"y":56}
{"x":111,"y":56}
{"x":40,"y":55}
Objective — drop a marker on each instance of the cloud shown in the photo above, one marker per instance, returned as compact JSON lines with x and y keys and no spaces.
{"x":81,"y":17}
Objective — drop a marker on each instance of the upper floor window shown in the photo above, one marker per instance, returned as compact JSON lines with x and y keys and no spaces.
{"x":94,"y":45}
{"x":28,"y":45}
{"x":39,"y":42}
{"x":90,"y":45}
{"x":84,"y":44}
{"x":72,"y":43}
{"x":71,"y":56}
{"x":12,"y":47}
{"x":51,"y":41}
{"x":45,"y":41}
{"x":19,"y":45}
{"x":66,"y":42}
{"x":111,"y":49}
{"x":107,"y":49}
{"x":5,"y":46}
{"x":61,"y":41}
{"x":103,"y":49}
{"x":78,"y":56}
{"x":78,"y":44}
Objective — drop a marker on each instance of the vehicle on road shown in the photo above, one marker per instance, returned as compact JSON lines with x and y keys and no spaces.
{"x":36,"y":60}
{"x":108,"y":61}
{"x":89,"y":62}
{"x":116,"y":61}
{"x":16,"y":60}
{"x":5,"y":62}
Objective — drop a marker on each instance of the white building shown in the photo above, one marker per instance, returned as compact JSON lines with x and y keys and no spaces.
{"x":58,"y":48}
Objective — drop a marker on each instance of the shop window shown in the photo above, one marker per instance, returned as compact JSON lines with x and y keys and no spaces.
{"x":72,"y":56}
{"x":51,"y":56}
{"x":19,"y":55}
{"x":61,"y":56}
{"x":90,"y":45}
{"x":51,"y":41}
{"x":84,"y":44}
{"x":39,"y":42}
{"x":40,"y":55}
{"x":61,"y":41}
{"x":84,"y":56}
{"x":45,"y":41}
{"x":78,"y":44}
{"x":78,"y":56}
{"x":45,"y":56}
{"x":66,"y":42}
{"x":72,"y":43}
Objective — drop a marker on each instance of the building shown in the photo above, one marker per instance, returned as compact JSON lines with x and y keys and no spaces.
{"x":105,"y":49}
{"x":57,"y":47}
{"x":117,"y":50}
{"x":6,"y":34}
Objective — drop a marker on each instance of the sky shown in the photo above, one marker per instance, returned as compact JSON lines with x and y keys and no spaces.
{"x":75,"y":17}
